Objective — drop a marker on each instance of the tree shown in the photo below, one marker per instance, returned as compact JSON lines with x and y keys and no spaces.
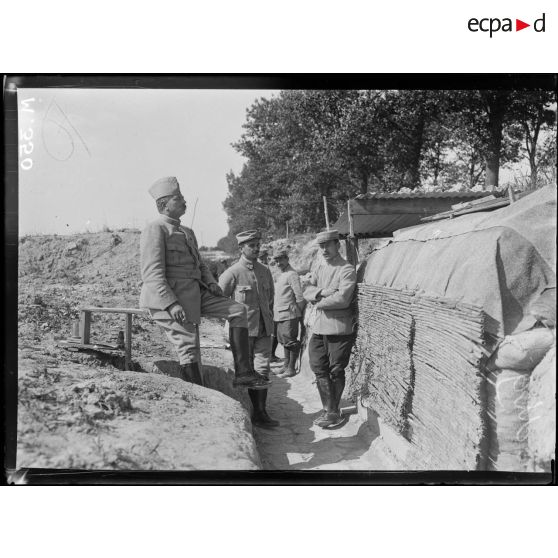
{"x":534,"y":113}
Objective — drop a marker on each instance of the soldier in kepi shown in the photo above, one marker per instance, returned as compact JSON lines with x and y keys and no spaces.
{"x":331,"y":290}
{"x":178,"y":289}
{"x":287,"y":309}
{"x":249,"y":282}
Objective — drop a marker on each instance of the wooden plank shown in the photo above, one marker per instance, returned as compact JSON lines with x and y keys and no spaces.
{"x":128,"y":341}
{"x":114,"y":310}
{"x":85,"y":326}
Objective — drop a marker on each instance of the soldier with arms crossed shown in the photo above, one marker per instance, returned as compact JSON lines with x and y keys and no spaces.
{"x":331,"y":290}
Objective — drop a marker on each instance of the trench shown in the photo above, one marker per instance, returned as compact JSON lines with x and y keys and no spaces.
{"x":297,"y":444}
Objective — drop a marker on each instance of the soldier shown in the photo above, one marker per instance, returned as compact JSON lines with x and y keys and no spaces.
{"x":287,"y":310}
{"x":331,"y":289}
{"x":250,"y":282}
{"x":178,"y":288}
{"x":265,"y":251}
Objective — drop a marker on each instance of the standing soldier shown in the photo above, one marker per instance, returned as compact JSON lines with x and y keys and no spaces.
{"x":287,"y":310}
{"x":250,"y":282}
{"x":265,"y":252}
{"x":178,"y":288}
{"x":331,"y":291}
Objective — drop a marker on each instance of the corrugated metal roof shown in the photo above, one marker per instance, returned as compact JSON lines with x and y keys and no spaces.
{"x":419,"y":195}
{"x":379,"y":215}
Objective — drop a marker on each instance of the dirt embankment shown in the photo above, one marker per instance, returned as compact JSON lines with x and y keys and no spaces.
{"x":79,"y":409}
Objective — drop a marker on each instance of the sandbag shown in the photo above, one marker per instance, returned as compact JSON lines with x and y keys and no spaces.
{"x":542,"y":413}
{"x":523,"y":351}
{"x":508,"y":402}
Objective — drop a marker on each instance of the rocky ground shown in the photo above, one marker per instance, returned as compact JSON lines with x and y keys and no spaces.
{"x":81,"y":410}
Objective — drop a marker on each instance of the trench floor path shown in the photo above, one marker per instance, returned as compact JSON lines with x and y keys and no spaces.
{"x":297,"y":444}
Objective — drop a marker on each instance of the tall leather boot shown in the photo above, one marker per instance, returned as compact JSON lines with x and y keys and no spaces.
{"x":333,"y":416}
{"x":191,"y":373}
{"x":338,"y":384}
{"x":324,"y":389}
{"x":286,"y":360}
{"x":259,"y":414}
{"x":244,"y":375}
{"x":291,"y":370}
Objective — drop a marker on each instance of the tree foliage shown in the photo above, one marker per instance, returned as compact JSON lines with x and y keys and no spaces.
{"x":302,"y":145}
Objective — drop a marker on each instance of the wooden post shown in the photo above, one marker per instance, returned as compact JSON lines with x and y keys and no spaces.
{"x":511,"y":194}
{"x":351,"y":242}
{"x":287,"y":232}
{"x":85,"y":326}
{"x":128,"y":341}
{"x":350,"y":218}
{"x":326,"y":212}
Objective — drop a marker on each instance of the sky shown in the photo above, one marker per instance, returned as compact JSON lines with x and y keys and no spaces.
{"x":88,"y":156}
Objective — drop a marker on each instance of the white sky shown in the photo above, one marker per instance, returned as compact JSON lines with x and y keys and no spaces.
{"x":97,"y":151}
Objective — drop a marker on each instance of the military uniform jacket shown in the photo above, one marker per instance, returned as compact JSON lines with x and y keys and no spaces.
{"x":288,"y":294}
{"x":334,"y":315}
{"x":171,"y":268}
{"x":251,"y":284}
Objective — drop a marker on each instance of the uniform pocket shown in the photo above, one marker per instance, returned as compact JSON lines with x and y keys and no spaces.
{"x":242,"y":293}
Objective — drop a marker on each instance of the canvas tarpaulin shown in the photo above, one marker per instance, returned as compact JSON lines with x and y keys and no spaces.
{"x":500,"y":261}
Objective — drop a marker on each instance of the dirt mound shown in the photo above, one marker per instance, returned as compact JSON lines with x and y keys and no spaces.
{"x":87,"y":418}
{"x":78,"y":409}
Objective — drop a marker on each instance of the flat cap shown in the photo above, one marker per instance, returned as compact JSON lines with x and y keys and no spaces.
{"x":246,"y":236}
{"x":326,"y":236}
{"x":166,"y":186}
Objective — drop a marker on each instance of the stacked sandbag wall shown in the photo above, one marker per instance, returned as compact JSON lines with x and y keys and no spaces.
{"x":521,"y":401}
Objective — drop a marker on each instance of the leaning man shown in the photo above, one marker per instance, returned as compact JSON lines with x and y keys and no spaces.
{"x":287,"y":310}
{"x":331,"y":290}
{"x":250,"y":283}
{"x":178,"y":288}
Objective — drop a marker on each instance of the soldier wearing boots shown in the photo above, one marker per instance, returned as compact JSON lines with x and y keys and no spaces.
{"x":287,"y":310}
{"x":331,"y":289}
{"x":178,"y":288}
{"x":250,"y":283}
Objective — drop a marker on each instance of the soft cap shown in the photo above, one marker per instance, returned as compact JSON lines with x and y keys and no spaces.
{"x":326,"y":236}
{"x":166,"y":186}
{"x":246,"y":236}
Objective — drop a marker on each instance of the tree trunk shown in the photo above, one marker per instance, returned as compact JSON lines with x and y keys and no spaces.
{"x":413,"y":173}
{"x":496,"y":109}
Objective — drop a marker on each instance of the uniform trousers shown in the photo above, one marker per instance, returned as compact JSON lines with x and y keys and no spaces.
{"x":329,"y":354}
{"x":183,"y":336}
{"x":260,"y":350}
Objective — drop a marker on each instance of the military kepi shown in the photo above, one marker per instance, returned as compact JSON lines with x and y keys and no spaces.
{"x":166,"y":186}
{"x":326,"y":236}
{"x":247,"y":236}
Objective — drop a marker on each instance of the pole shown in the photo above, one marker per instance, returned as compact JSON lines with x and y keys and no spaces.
{"x":194,"y":214}
{"x":351,"y":242}
{"x":287,"y":233}
{"x":326,"y":212}
{"x":350,"y":217}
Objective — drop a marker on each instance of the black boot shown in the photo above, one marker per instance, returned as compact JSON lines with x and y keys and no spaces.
{"x":244,"y":375}
{"x":259,"y":414}
{"x":338,"y":384}
{"x":333,"y":416}
{"x":324,"y":389}
{"x":191,"y":373}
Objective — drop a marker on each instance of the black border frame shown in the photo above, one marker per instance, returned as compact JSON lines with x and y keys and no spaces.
{"x":220,"y":81}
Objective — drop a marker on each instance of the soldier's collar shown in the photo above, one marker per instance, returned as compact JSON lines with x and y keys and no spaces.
{"x":170,"y":220}
{"x":246,"y":262}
